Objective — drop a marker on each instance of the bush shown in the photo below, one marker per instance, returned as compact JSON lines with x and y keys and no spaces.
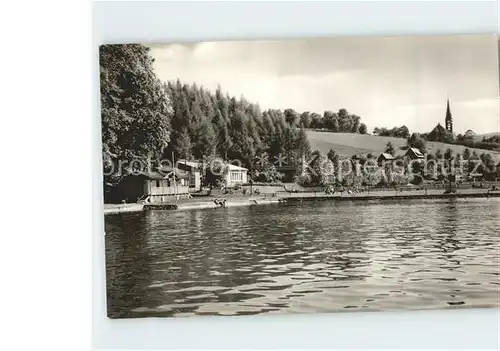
{"x":330,"y":190}
{"x":417,"y":180}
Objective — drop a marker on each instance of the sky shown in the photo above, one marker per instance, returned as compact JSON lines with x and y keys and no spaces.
{"x":387,"y":81}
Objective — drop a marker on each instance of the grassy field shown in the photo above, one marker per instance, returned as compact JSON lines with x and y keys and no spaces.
{"x":349,"y":144}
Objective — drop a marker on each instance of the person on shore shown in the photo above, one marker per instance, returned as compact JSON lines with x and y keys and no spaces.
{"x":220,"y":203}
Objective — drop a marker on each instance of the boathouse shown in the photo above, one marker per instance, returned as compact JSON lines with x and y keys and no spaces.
{"x":152,"y":186}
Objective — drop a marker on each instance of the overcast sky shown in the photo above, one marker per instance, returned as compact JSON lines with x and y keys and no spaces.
{"x":387,"y":81}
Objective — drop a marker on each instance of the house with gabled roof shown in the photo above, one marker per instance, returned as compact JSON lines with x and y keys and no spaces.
{"x":414,"y":154}
{"x":385,"y":157}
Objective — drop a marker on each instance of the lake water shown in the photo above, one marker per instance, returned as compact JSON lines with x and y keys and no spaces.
{"x":305,"y":258}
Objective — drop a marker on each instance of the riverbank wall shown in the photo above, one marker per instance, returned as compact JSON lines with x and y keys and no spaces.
{"x":212,"y":203}
{"x":393,"y":197}
{"x":122,"y":208}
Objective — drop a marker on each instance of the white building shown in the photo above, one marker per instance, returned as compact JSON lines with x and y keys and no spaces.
{"x":236,"y":175}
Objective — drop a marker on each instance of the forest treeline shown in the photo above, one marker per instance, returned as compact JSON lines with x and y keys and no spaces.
{"x":144,"y":118}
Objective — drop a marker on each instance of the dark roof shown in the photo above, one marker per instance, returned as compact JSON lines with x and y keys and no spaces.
{"x":416,"y":152}
{"x":168,"y":171}
{"x":164,"y":173}
{"x":149,"y":175}
{"x":387,"y":156}
{"x":188,"y":164}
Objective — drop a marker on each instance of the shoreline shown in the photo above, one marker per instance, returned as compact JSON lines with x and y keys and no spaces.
{"x":291,"y":198}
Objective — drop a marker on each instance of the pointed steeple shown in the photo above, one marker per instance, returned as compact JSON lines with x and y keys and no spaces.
{"x":448,"y":119}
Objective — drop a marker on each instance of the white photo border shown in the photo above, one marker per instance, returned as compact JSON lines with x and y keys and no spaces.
{"x":163,"y":22}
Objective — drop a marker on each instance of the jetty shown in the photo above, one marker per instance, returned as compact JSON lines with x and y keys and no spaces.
{"x":297,"y":197}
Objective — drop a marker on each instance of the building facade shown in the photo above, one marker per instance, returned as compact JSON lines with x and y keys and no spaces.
{"x":193,"y":171}
{"x":440,"y":133}
{"x":150,"y":187}
{"x":414,"y":154}
{"x":236,"y":175}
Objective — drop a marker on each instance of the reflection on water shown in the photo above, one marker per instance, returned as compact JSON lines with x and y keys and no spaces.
{"x":315,"y":257}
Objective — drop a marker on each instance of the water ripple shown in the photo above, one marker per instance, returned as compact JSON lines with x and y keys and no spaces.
{"x":318,"y":257}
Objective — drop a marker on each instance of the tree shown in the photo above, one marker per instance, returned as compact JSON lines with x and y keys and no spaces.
{"x":448,"y":137}
{"x":302,"y":143}
{"x":291,"y":116}
{"x":398,"y":178}
{"x":215,"y":171}
{"x":353,"y":179}
{"x":330,"y":121}
{"x":316,"y":121}
{"x":389,"y":149}
{"x":448,"y":154}
{"x":224,"y":142}
{"x":396,"y":132}
{"x":372,"y":178}
{"x":403,"y":132}
{"x":206,"y":141}
{"x":416,"y":141}
{"x":183,"y":146}
{"x":332,"y":155}
{"x":345,"y":120}
{"x":135,"y":108}
{"x":269,"y":175}
{"x":466,"y":154}
{"x":362,"y":128}
{"x":355,"y":123}
{"x":305,"y":119}
{"x":322,"y":170}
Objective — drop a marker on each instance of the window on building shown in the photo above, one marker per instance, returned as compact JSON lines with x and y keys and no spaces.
{"x":236,"y":175}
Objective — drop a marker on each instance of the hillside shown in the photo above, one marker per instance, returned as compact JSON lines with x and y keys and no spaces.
{"x":480,"y":137}
{"x":349,"y":144}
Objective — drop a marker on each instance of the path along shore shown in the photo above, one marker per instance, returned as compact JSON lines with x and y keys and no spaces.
{"x":285,"y":197}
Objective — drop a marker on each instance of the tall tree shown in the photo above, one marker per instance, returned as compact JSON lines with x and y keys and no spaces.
{"x":302,"y":143}
{"x":183,"y":147}
{"x":135,"y":108}
{"x":206,"y":141}
{"x":305,"y":119}
{"x":291,"y":116}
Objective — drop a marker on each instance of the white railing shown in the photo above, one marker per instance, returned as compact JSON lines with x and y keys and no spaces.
{"x":169,"y":190}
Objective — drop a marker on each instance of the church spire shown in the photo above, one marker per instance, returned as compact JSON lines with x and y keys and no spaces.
{"x":449,"y":119}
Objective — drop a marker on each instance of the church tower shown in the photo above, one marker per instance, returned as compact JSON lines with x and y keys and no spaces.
{"x":449,"y":120}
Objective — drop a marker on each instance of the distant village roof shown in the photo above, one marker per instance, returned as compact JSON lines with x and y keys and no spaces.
{"x":416,"y":152}
{"x":438,"y":128}
{"x":387,"y":156}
